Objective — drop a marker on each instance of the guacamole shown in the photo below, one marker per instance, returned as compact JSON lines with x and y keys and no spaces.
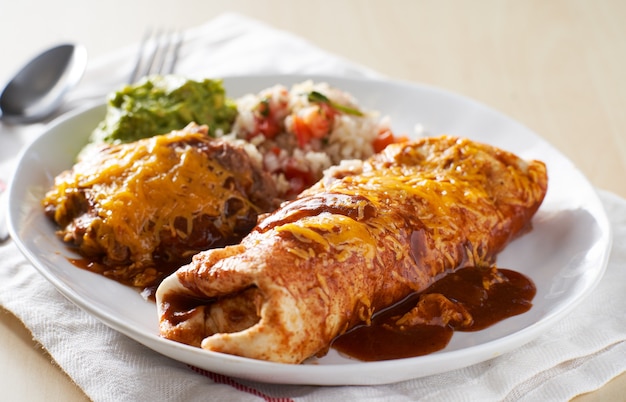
{"x":160,"y":104}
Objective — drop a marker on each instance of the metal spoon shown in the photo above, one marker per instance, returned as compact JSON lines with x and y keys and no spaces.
{"x":37,"y":90}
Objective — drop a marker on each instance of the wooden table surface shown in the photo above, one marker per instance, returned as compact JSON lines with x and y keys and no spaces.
{"x":557,"y":66}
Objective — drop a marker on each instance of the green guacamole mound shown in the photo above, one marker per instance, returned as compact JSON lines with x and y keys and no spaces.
{"x":160,"y":104}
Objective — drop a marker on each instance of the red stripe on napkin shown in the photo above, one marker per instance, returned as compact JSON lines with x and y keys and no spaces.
{"x":222,"y":379}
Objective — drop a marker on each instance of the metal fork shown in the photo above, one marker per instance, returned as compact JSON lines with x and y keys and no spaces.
{"x":158,"y":54}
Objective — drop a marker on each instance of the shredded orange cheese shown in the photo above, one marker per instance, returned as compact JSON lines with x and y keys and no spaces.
{"x":141,"y":190}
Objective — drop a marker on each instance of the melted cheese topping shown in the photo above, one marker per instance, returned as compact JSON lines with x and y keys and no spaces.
{"x":332,"y":234}
{"x":458,"y":188}
{"x":144,"y":189}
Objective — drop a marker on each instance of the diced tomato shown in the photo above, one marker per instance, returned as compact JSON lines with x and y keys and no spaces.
{"x":313,"y":122}
{"x":296,"y":186}
{"x":321,"y":122}
{"x":267,"y":126}
{"x":383,"y":139}
{"x":299,"y":178}
{"x":301,"y":130}
{"x":265,"y":119}
{"x":386,"y":137}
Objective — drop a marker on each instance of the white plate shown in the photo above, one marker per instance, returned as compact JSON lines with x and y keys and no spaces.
{"x":565,"y":254}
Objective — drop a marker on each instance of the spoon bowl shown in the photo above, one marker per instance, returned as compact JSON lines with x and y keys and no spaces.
{"x":37,"y":90}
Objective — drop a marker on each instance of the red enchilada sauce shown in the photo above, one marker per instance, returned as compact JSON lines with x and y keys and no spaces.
{"x":479,"y":296}
{"x":158,"y":272}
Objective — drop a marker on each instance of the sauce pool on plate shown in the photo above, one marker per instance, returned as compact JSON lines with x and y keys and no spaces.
{"x":485,"y":296}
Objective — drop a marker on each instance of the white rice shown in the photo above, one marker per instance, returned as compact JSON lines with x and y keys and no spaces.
{"x":349,"y":137}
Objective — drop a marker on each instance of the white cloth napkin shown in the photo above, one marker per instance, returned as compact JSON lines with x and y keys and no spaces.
{"x":580,"y":353}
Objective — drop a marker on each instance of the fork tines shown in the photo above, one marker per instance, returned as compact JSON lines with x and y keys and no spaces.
{"x":158,"y":54}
